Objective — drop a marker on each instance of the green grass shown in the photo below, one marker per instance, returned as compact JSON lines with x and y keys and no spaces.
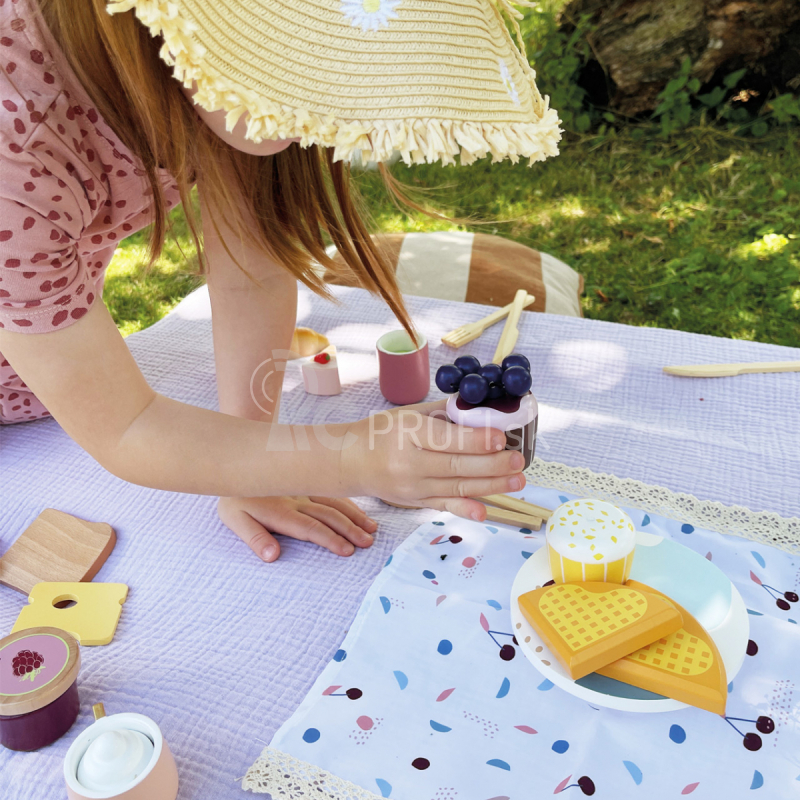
{"x":699,"y":235}
{"x":138,"y":296}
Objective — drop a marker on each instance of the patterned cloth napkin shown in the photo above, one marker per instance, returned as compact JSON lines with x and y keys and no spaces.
{"x":430,"y":698}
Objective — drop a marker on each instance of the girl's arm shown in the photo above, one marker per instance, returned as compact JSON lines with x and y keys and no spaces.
{"x":87,"y":378}
{"x":253,"y":321}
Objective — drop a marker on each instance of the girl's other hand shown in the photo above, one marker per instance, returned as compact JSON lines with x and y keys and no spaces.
{"x":336,"y":524}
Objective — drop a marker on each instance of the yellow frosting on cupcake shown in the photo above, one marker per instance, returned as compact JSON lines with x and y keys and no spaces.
{"x":590,"y":540}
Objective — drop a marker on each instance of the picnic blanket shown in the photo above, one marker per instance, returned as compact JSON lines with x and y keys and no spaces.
{"x":198,"y":597}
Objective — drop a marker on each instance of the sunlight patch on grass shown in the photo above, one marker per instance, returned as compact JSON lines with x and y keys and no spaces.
{"x":770,"y":244}
{"x":571,"y":207}
{"x":593,"y":246}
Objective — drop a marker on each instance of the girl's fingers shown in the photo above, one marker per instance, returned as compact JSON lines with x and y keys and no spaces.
{"x":471,"y":487}
{"x":340,"y":525}
{"x":437,"y":434}
{"x":253,"y":534}
{"x":460,"y":506}
{"x":301,"y":525}
{"x":350,"y":510}
{"x":490,"y":465}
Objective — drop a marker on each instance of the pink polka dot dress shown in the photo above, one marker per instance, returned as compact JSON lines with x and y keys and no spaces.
{"x":69,"y":192}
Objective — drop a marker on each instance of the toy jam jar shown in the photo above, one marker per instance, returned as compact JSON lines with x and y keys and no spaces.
{"x":38,"y":687}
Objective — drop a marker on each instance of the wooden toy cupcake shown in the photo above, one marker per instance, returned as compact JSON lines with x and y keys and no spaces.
{"x":493,"y":396}
{"x":590,"y":540}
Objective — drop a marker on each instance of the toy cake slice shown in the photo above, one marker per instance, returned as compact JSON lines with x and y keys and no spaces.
{"x":588,"y":625}
{"x":684,"y":665}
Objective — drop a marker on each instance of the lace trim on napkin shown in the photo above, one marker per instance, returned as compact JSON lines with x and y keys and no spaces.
{"x":286,"y":777}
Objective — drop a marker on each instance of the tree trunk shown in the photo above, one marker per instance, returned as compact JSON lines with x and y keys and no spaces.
{"x":640,"y":44}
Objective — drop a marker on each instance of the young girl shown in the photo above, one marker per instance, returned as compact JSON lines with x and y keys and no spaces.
{"x":99,"y":139}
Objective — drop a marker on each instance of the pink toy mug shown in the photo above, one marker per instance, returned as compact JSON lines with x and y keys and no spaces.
{"x":148,"y":773}
{"x":403,"y":368}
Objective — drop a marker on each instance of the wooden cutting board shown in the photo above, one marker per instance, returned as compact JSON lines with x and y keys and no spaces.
{"x":56,"y":547}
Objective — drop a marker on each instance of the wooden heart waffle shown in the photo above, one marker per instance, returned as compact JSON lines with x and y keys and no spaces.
{"x":684,"y":665}
{"x":582,"y":618}
{"x":678,"y":653}
{"x":589,"y":625}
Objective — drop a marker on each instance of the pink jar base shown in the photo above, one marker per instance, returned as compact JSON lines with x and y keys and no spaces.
{"x":42,"y":727}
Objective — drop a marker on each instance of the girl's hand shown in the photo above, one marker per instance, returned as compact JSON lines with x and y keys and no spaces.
{"x":336,"y":524}
{"x":414,"y":456}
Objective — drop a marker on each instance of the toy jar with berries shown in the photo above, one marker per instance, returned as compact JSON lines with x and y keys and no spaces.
{"x":38,"y":687}
{"x":493,"y":396}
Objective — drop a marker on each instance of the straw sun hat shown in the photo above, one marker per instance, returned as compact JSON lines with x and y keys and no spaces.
{"x":430,"y":79}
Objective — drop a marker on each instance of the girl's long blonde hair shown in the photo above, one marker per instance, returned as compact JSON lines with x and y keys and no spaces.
{"x":282,"y":204}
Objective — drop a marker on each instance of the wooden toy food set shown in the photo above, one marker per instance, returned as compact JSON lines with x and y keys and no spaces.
{"x":686,"y":664}
{"x":56,"y":547}
{"x":53,"y":562}
{"x":89,"y":611}
{"x":590,"y":625}
{"x":493,"y":396}
{"x":597,"y":620}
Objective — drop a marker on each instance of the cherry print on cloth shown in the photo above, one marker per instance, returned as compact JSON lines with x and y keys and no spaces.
{"x":446,"y":721}
{"x":56,"y":156}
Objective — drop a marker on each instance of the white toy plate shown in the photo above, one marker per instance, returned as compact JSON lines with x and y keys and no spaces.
{"x":681,"y":574}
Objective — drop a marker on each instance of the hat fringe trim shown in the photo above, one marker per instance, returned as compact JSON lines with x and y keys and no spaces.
{"x":417,"y":140}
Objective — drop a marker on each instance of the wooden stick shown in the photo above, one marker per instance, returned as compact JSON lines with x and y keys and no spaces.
{"x":513,"y":518}
{"x":515,"y":504}
{"x":510,"y":333}
{"x":729,"y":370}
{"x":504,"y":515}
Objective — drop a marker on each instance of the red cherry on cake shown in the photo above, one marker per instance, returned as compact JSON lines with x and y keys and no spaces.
{"x":322,"y":358}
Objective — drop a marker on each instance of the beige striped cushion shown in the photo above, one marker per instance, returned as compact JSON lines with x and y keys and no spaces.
{"x":478,"y":268}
